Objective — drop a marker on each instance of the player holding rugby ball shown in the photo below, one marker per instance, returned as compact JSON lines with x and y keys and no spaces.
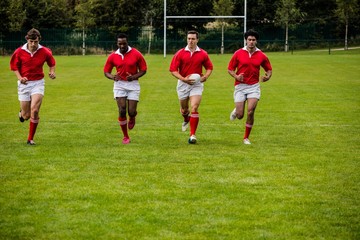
{"x":187,"y":61}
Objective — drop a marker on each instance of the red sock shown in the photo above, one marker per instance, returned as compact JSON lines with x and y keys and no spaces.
{"x":123,"y":125}
{"x":32,"y":129}
{"x":194,"y":121}
{"x":248,"y":128}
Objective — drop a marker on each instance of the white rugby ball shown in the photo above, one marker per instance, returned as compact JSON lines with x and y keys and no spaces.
{"x":195,"y":76}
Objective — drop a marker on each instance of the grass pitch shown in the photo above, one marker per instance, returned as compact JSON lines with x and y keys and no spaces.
{"x":298,"y":180}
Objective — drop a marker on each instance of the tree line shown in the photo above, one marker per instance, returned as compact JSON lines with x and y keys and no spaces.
{"x":122,"y":16}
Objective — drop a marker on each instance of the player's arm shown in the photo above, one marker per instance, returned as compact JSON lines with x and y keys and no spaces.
{"x":267,"y":76}
{"x":136,"y":76}
{"x":52,"y":72}
{"x":181,"y":78}
{"x":239,"y":77}
{"x":177,"y":75}
{"x":22,"y":80}
{"x":15,"y":65}
{"x":108,"y":67}
{"x":206,"y":75}
{"x":110,"y":76}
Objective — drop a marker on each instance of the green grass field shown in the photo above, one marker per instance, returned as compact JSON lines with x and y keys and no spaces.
{"x":298,"y":180}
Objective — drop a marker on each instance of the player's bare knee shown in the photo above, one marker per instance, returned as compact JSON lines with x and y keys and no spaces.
{"x":35,"y":113}
{"x":194,"y":108}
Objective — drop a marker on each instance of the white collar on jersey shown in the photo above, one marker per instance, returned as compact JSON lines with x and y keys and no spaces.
{"x":188,"y":49}
{"x":256,"y":49}
{"x":119,"y":53}
{"x":24,"y":47}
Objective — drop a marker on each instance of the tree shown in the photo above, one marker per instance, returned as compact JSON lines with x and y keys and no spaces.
{"x":223,"y":8}
{"x":84,"y":18}
{"x":149,"y":22}
{"x":4,"y":16}
{"x":55,"y":14}
{"x":287,"y":14}
{"x":188,"y":8}
{"x":26,"y":14}
{"x":345,"y":10}
{"x":17,"y":15}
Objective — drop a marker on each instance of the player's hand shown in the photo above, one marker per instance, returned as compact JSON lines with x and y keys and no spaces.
{"x":265,"y":78}
{"x":189,"y":80}
{"x":203,"y":79}
{"x":52,"y":75}
{"x":23,"y":80}
{"x":129,"y":77}
{"x":115,"y":77}
{"x":240,"y":77}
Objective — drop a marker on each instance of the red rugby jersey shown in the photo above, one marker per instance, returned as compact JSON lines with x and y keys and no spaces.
{"x":186,"y":63}
{"x":130,"y":62}
{"x":29,"y":64}
{"x":249,"y":64}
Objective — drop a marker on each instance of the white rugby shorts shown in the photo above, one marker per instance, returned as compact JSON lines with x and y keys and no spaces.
{"x":185,"y":90}
{"x":245,"y":91}
{"x":130,"y":90}
{"x":25,"y":91}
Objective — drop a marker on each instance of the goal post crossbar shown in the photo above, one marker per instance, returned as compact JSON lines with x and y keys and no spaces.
{"x":189,"y":17}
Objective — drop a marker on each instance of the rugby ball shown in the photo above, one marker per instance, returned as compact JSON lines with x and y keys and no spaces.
{"x":195,"y":76}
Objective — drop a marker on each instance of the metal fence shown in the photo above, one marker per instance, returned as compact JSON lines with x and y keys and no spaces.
{"x":150,"y":41}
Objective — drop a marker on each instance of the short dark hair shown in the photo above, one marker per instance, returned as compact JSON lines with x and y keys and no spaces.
{"x":121,"y":35}
{"x":251,"y":32}
{"x":33,"y":34}
{"x":194,"y":32}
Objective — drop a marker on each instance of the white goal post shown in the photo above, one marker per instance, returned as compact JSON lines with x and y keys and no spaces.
{"x":167,"y":17}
